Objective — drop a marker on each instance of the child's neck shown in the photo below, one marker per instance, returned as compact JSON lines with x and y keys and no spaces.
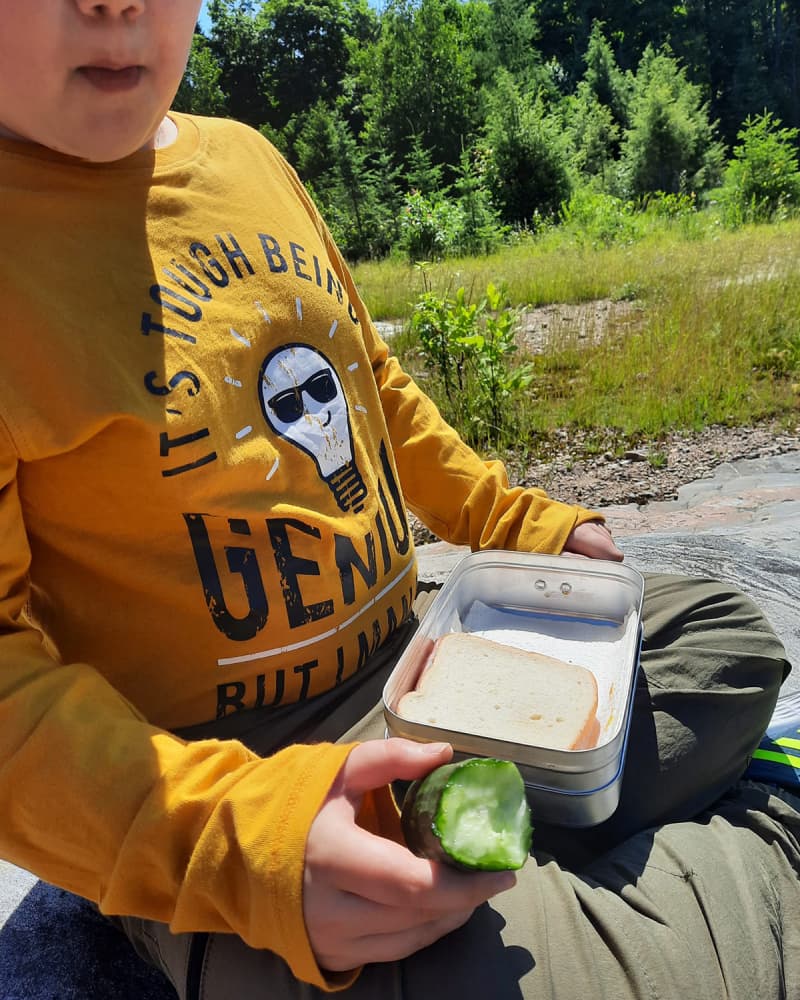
{"x":166,"y":134}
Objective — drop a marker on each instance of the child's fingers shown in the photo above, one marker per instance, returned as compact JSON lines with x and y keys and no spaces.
{"x":379,"y":762}
{"x":387,"y":947}
{"x":388,"y":873}
{"x":344,"y":857}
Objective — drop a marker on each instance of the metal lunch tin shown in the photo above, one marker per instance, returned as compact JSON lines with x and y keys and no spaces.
{"x":584,"y":611}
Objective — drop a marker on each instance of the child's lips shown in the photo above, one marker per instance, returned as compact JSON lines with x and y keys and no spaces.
{"x":112,"y":79}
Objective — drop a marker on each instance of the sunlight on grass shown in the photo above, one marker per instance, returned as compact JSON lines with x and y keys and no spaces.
{"x":716,"y":338}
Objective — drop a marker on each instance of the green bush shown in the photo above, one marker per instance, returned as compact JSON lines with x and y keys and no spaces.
{"x":597,"y":219}
{"x":762,"y":180}
{"x":528,"y":167}
{"x":671,"y":206}
{"x":470,"y":347}
{"x":429,"y":226}
{"x":437,"y":226}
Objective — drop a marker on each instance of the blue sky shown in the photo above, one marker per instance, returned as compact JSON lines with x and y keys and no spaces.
{"x":204,"y":21}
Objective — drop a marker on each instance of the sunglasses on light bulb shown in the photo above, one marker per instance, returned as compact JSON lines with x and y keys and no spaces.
{"x":288,"y":405}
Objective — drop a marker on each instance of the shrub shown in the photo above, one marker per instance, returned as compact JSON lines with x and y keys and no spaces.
{"x":599,"y":219}
{"x":437,"y":226}
{"x":471,"y":348}
{"x":528,"y":168}
{"x":670,"y":144}
{"x":429,"y":226}
{"x":762,"y":180}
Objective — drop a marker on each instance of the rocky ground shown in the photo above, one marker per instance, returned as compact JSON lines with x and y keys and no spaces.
{"x":655,"y":472}
{"x":647,"y":473}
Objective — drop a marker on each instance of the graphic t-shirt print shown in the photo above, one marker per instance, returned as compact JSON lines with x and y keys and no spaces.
{"x":303,"y":401}
{"x":323,"y":573}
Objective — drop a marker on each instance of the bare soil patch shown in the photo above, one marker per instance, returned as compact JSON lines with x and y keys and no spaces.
{"x":581,"y":324}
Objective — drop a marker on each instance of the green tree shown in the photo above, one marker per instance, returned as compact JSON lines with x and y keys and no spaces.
{"x":563,"y":27}
{"x":422,"y":79}
{"x":309,"y":141}
{"x":593,"y":133}
{"x":671,"y":144}
{"x":527,"y":169}
{"x":200,"y":92}
{"x":355,"y":189}
{"x":610,"y":86}
{"x":481,"y":230}
{"x":278,"y":58}
{"x":421,"y":173}
{"x":744,"y":53}
{"x":763,"y":177}
{"x":366,"y":199}
{"x":306,"y":51}
{"x":512,"y":39}
{"x":236,"y":41}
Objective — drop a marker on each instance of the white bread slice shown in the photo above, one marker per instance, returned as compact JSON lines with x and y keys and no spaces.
{"x":473,"y":685}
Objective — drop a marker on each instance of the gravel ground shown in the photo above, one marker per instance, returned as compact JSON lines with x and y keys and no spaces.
{"x":656,"y":472}
{"x":647,"y":473}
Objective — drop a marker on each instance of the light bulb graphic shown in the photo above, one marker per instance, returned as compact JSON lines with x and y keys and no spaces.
{"x":302,"y":401}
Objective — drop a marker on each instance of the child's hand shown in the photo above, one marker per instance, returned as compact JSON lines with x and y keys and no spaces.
{"x":367,"y":899}
{"x":592,"y":539}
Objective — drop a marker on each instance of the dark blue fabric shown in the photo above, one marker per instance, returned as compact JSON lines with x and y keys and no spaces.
{"x":56,"y":946}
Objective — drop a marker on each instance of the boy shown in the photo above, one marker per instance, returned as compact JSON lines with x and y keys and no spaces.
{"x":205,"y":453}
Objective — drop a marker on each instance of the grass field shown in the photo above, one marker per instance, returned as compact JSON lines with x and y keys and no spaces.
{"x":716,"y":337}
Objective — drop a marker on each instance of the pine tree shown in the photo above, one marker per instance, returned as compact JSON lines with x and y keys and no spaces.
{"x":671,"y":144}
{"x":605,"y":80}
{"x":529,"y":159}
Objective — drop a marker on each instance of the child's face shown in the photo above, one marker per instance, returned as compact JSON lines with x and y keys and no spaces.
{"x":91,"y":79}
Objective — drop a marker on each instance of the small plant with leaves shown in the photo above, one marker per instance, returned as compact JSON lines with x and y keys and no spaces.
{"x":444,"y":325}
{"x":471,"y":348}
{"x":493,"y":349}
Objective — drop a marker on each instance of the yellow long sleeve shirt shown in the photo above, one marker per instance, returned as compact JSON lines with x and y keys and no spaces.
{"x":205,"y":456}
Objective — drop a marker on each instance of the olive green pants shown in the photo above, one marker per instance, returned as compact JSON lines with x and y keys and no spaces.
{"x":691,"y":889}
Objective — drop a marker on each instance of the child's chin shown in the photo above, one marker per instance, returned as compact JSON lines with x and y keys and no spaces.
{"x":107,"y":143}
{"x":107,"y":152}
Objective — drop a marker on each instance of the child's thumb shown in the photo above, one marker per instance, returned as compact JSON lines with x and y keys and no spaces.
{"x":378,"y":762}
